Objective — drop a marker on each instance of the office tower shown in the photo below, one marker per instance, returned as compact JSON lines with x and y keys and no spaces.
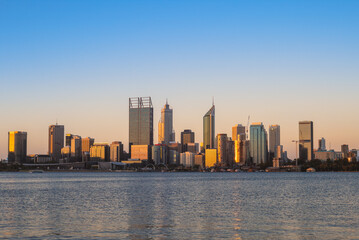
{"x":17,"y":147}
{"x":345,"y":150}
{"x":230,"y":152}
{"x":174,"y":157}
{"x":141,"y":152}
{"x":209,"y":129}
{"x":176,"y":146}
{"x":116,"y":151}
{"x":140,"y":121}
{"x":165,"y":126}
{"x":222,"y":149}
{"x":238,"y":130}
{"x":86,"y":144}
{"x":321,"y":145}
{"x":68,"y":140}
{"x":160,"y":154}
{"x":100,"y":152}
{"x":187,"y":136}
{"x":306,"y":140}
{"x":274,"y":139}
{"x":76,"y":153}
{"x":211,"y":157}
{"x":56,"y":141}
{"x":199,"y":160}
{"x":279,"y":152}
{"x":258,"y":143}
{"x":187,"y":159}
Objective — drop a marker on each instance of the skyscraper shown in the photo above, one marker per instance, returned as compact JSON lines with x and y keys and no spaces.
{"x":116,"y":151}
{"x":222,"y":149}
{"x":86,"y":144}
{"x":321,"y":145}
{"x":165,"y":125}
{"x":140,"y":121}
{"x":209,"y":129}
{"x":238,"y":130}
{"x":76,"y":146}
{"x":17,"y":147}
{"x":187,"y":136}
{"x":56,"y":141}
{"x":306,"y":140}
{"x":345,"y":150}
{"x":274,"y":139}
{"x":258,"y":143}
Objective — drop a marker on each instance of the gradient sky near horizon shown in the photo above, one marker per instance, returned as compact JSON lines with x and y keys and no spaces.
{"x":78,"y":62}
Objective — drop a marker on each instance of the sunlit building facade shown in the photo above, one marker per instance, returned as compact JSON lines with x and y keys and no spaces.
{"x":209,"y":129}
{"x":165,"y":126}
{"x":116,"y":151}
{"x":274,"y":139}
{"x":140,"y":121}
{"x":100,"y":152}
{"x":306,"y":140}
{"x":17,"y":147}
{"x":258,"y":144}
{"x":238,"y":130}
{"x":76,"y":146}
{"x":222,"y":149}
{"x":210,"y":157}
{"x":56,"y":141}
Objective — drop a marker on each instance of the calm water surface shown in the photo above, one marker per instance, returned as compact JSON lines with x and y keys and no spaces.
{"x":179,"y":206}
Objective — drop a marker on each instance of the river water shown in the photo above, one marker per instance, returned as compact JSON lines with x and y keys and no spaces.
{"x":179,"y":205}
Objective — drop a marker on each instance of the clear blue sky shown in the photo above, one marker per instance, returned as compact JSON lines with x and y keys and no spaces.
{"x":80,"y":61}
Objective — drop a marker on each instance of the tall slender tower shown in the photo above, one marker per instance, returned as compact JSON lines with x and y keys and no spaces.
{"x":140,"y":121}
{"x":209,"y":129}
{"x":165,"y":125}
{"x":306,"y":140}
{"x":274,"y":139}
{"x":258,"y":143}
{"x":56,"y":141}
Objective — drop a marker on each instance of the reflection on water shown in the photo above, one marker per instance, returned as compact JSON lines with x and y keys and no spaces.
{"x":179,"y":205}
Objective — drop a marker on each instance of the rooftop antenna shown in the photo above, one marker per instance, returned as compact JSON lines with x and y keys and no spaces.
{"x":166,"y":101}
{"x":213,"y":101}
{"x":56,"y":121}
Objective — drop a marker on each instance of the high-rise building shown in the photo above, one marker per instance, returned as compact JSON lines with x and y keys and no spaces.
{"x":230,"y":152}
{"x":165,"y":125}
{"x":306,"y":140}
{"x":321,"y":145}
{"x":56,"y":141}
{"x":68,"y":139}
{"x":209,"y":129}
{"x":187,"y":159}
{"x":211,"y":157}
{"x":100,"y":152}
{"x":258,"y":143}
{"x":274,"y":139}
{"x":140,"y":121}
{"x":238,"y":130}
{"x":160,"y":154}
{"x":86,"y":144}
{"x":345,"y":150}
{"x":17,"y":147}
{"x":241,"y":150}
{"x":116,"y":151}
{"x":187,"y":136}
{"x":222,"y":149}
{"x":76,"y":153}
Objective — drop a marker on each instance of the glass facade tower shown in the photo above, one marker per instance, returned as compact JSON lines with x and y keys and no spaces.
{"x":56,"y":141}
{"x":208,"y":129}
{"x":306,"y":140}
{"x":140,"y":121}
{"x":17,"y":147}
{"x":258,"y":143}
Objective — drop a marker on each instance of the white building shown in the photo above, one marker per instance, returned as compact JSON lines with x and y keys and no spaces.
{"x":187,"y":159}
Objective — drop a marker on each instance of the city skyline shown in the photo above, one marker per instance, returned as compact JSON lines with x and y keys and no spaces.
{"x":279,"y":63}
